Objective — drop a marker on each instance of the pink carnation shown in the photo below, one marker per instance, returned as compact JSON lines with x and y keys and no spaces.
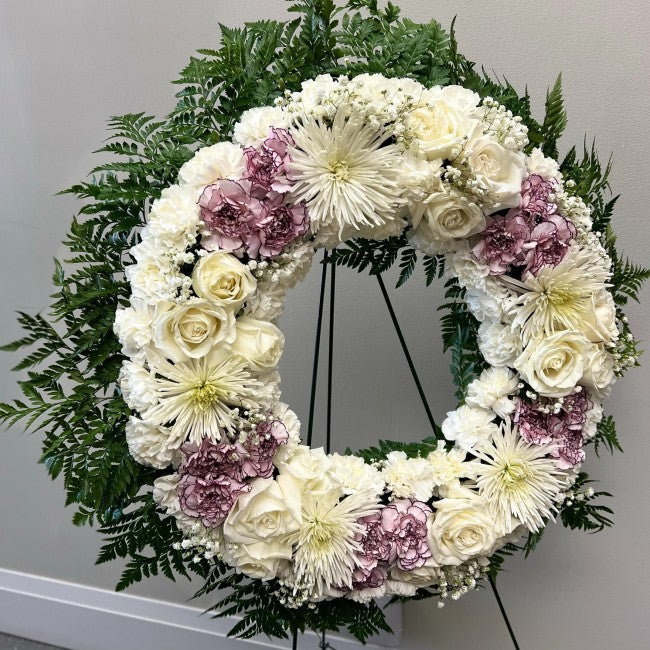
{"x":404,"y":523}
{"x":564,"y":428}
{"x":230,"y":213}
{"x":261,"y":447}
{"x":213,"y":458}
{"x":280,"y":225}
{"x":267,"y":166}
{"x":502,"y":242}
{"x":549,"y":242}
{"x":209,"y":499}
{"x":535,"y":191}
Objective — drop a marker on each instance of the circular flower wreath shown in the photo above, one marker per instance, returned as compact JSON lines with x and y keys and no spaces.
{"x":420,"y":159}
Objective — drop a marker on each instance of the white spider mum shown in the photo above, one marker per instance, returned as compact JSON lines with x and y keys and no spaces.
{"x":559,"y":297}
{"x":346,"y":174}
{"x":327,"y":540}
{"x":517,"y":479}
{"x":198,"y":396}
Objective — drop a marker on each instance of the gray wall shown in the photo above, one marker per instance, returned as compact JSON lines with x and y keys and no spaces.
{"x":66,"y":65}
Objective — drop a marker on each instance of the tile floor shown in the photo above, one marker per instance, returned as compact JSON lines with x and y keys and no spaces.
{"x":15,"y":643}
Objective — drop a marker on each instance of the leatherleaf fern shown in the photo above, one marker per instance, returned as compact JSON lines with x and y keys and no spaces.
{"x":73,"y":357}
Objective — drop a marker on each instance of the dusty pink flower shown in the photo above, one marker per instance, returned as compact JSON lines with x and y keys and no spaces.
{"x":260,"y":448}
{"x":210,"y":498}
{"x":535,"y":191}
{"x":213,"y":458}
{"x":376,"y":545}
{"x":533,"y":423}
{"x":563,"y":428}
{"x":404,"y":523}
{"x":267,"y":166}
{"x":281,"y":224}
{"x":502,"y":242}
{"x":211,"y":478}
{"x":368,"y":578}
{"x":230,"y":213}
{"x":549,"y":242}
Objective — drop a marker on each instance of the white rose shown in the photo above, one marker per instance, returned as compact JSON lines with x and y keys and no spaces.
{"x":261,"y":524}
{"x":538,"y":164}
{"x":253,"y":127}
{"x":599,"y":324}
{"x":408,"y":478}
{"x":469,"y":427}
{"x":223,"y":279}
{"x":355,"y":475}
{"x":174,"y":217}
{"x":491,"y":391}
{"x":445,"y":216}
{"x":191,"y":329}
{"x":554,"y":365}
{"x":261,"y":343}
{"x":138,"y":386}
{"x":209,"y":164}
{"x":460,"y":529}
{"x":309,"y":468}
{"x":133,"y":329}
{"x":439,"y":126}
{"x":599,"y":370}
{"x":499,"y":170}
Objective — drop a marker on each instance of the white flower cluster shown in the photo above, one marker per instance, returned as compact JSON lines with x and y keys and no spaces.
{"x":364,"y":157}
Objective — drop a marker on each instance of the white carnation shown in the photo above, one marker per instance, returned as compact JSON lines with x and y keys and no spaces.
{"x":447,"y":467}
{"x":355,"y":475}
{"x":408,"y":478}
{"x":492,"y":390}
{"x":221,"y":160}
{"x":253,"y":127}
{"x":594,"y":416}
{"x":132,"y":326}
{"x":291,"y":422}
{"x":469,"y":427}
{"x":138,"y":386}
{"x":545,"y":167}
{"x":151,"y":446}
{"x":173,"y":218}
{"x":469,"y":271}
{"x":499,"y":344}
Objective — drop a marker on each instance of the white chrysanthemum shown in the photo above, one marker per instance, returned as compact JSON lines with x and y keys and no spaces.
{"x":559,"y":298}
{"x":447,"y":467}
{"x":355,"y":475}
{"x":173,"y":218}
{"x":326,"y":541}
{"x":408,"y":478}
{"x":517,"y":479}
{"x":151,"y":446}
{"x":345,"y":175}
{"x":469,"y":427}
{"x":499,"y":344}
{"x":492,"y":390}
{"x":253,"y":127}
{"x":197,"y":397}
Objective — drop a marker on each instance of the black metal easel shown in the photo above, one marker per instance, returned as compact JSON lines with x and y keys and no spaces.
{"x":324,"y":645}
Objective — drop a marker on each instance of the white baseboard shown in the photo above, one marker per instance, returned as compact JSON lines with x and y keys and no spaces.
{"x":78,"y":617}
